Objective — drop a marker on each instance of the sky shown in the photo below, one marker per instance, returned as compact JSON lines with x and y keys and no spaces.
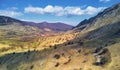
{"x":67,"y":11}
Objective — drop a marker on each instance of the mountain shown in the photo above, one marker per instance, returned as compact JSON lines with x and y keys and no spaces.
{"x":56,"y":27}
{"x":93,"y":44}
{"x":7,"y":20}
{"x":25,"y":27}
{"x":14,"y":32}
{"x":102,"y":30}
{"x":11,"y":25}
{"x":108,"y":16}
{"x":105,"y":25}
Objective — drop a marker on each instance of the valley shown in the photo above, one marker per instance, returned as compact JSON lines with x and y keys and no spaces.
{"x":93,"y":44}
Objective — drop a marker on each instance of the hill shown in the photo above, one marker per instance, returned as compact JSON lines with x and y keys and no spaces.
{"x":57,"y":27}
{"x":19,"y":35}
{"x":108,"y":16}
{"x":8,"y":23}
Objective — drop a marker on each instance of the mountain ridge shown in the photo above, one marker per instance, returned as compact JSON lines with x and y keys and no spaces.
{"x":58,"y":26}
{"x":98,"y":20}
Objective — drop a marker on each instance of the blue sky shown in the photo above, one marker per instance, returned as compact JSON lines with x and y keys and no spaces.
{"x":68,"y":11}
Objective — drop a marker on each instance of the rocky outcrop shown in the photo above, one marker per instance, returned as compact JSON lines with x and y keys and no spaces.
{"x":101,"y":56}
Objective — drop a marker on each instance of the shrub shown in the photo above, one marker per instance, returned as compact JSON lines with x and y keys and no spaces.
{"x":79,"y":51}
{"x":31,"y":67}
{"x":57,"y":64}
{"x":57,"y":56}
{"x":55,"y":47}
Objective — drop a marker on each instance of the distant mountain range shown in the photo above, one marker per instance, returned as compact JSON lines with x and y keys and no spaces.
{"x":12,"y":24}
{"x":57,"y":27}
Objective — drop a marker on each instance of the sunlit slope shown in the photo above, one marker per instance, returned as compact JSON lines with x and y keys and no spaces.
{"x":19,"y":36}
{"x":75,"y":54}
{"x":69,"y":58}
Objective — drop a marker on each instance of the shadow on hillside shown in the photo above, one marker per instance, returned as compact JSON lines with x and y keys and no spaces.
{"x":107,"y":31}
{"x":105,"y":36}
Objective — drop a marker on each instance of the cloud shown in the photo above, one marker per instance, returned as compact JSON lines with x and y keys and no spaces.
{"x":31,"y":9}
{"x":63,"y":11}
{"x":10,"y":13}
{"x":104,"y":0}
{"x":92,"y":10}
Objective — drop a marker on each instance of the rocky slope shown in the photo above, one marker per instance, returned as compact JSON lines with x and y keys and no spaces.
{"x":108,"y":16}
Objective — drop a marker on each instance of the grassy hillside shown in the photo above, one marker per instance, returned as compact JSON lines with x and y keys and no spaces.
{"x":70,"y":57}
{"x":75,"y":54}
{"x":17,"y":36}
